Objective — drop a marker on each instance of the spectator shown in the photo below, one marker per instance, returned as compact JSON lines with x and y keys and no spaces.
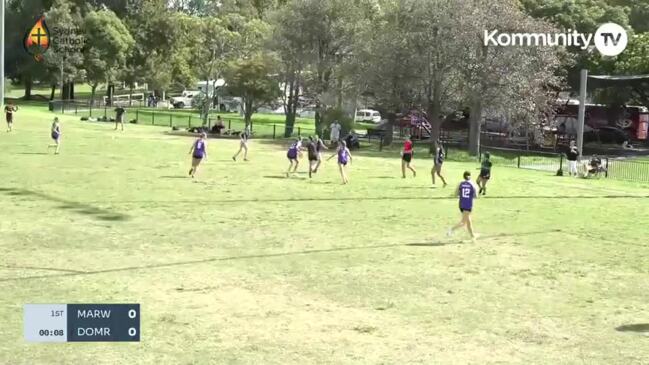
{"x":219,"y":126}
{"x":572,"y":155}
{"x":595,"y":165}
{"x":119,"y":117}
{"x":352,"y":141}
{"x":334,"y":131}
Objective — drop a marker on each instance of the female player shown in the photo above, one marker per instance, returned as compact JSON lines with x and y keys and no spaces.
{"x":437,"y":164}
{"x":406,"y":157}
{"x":344,"y":156}
{"x":466,"y":192}
{"x":198,"y":152}
{"x":485,"y":174}
{"x":10,"y":109}
{"x":56,"y":135}
{"x":312,"y":152}
{"x":292,"y":155}
{"x":320,"y":146}
{"x":243,"y":144}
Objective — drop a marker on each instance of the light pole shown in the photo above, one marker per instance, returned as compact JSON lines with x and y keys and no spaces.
{"x":2,"y":53}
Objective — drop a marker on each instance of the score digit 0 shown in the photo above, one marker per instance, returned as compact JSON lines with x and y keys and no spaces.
{"x":132,"y":331}
{"x":132,"y":313}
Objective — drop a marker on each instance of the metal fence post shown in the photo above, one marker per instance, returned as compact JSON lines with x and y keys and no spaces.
{"x":137,"y":115}
{"x":171,"y":122}
{"x":560,"y":171}
{"x":299,"y":132}
{"x":606,"y":169}
{"x":91,"y":108}
{"x":190,"y":121}
{"x":274,"y":127}
{"x":153,"y":117}
{"x":519,"y":161}
{"x":229,"y":124}
{"x":76,"y":108}
{"x":105,"y":111}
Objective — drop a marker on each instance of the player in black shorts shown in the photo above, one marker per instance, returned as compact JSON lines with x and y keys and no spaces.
{"x":312,"y":150}
{"x":485,"y":174}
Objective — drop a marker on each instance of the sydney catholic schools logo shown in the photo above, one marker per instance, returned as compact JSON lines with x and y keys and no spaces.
{"x":37,"y":40}
{"x":610,"y":39}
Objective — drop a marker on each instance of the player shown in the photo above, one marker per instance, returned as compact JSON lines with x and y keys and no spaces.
{"x":320,"y":146}
{"x":312,"y":152}
{"x":119,"y":117}
{"x":466,"y":192}
{"x":437,"y":163}
{"x":198,"y":152}
{"x":56,"y":136}
{"x":485,"y":174}
{"x":292,"y":155}
{"x":10,"y":109}
{"x":243,"y":144}
{"x":406,"y":158}
{"x":344,"y":156}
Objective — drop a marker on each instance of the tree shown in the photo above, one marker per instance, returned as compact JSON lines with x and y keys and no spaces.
{"x":504,"y":80}
{"x":109,"y":45}
{"x":252,"y":79}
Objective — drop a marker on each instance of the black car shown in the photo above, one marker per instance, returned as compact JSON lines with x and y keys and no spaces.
{"x":607,"y":135}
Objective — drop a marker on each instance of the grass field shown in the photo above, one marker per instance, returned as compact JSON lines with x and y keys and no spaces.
{"x":244,"y":266}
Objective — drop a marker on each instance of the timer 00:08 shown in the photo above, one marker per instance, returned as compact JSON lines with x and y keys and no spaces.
{"x":50,"y":332}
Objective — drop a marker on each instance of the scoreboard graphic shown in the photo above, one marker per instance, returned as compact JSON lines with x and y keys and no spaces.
{"x":81,"y":322}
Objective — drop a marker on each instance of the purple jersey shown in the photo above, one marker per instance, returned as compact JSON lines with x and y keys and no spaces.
{"x":293,"y":150}
{"x":467,"y":193}
{"x":342,"y":156}
{"x":199,"y":149}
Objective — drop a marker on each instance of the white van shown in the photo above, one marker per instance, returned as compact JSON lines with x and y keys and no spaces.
{"x":368,"y":115}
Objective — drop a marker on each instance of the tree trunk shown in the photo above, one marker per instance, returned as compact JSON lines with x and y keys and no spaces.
{"x":110,"y":91}
{"x":65,"y":91}
{"x":291,"y":105}
{"x":52,"y":92}
{"x":475,"y":125}
{"x":389,"y":129}
{"x":434,"y":109}
{"x":93,"y":89}
{"x":248,"y":111}
{"x":72,"y":90}
{"x":28,"y":87}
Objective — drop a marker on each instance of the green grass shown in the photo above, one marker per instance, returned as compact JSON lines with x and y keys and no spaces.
{"x":243,"y":266}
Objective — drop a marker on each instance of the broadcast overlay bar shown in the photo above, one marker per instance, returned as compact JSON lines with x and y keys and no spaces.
{"x":82,"y":322}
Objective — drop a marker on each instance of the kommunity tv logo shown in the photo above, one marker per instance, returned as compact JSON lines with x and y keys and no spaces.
{"x":610,"y":39}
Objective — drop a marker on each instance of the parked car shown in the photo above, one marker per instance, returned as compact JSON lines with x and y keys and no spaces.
{"x":606,"y":134}
{"x":185,"y":100}
{"x":368,"y":115}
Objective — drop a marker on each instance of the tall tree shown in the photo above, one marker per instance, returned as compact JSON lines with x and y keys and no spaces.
{"x":108,"y":49}
{"x":252,"y":79}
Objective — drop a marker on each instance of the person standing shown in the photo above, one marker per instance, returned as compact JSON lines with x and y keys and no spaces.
{"x":437,"y":163}
{"x":334,"y":134}
{"x":119,"y":117}
{"x":572,"y":155}
{"x":56,"y":135}
{"x":312,"y":152}
{"x":406,"y":158}
{"x":485,"y":174}
{"x":10,"y":109}
{"x":466,"y":192}
{"x":198,"y":152}
{"x":243,"y":144}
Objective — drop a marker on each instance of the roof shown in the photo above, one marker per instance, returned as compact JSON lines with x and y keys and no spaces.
{"x":601,"y":81}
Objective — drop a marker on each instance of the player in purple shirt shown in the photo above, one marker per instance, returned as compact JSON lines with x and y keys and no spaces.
{"x":292,"y":154}
{"x":466,"y":191}
{"x":344,"y":156}
{"x":198,"y":152}
{"x":56,"y":135}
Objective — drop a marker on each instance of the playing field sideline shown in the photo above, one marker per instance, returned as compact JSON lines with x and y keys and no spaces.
{"x":244,"y":266}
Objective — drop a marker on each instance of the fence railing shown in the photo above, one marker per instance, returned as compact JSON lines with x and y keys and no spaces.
{"x":175,"y":118}
{"x":523,"y":159}
{"x":627,"y":169}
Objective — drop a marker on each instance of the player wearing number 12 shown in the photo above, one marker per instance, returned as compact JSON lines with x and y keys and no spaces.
{"x":466,"y":192}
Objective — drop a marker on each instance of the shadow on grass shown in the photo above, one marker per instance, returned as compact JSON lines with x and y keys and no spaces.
{"x":261,"y":256}
{"x":638,"y":327}
{"x":80,"y":208}
{"x":500,"y":235}
{"x":174,"y":177}
{"x":33,"y":153}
